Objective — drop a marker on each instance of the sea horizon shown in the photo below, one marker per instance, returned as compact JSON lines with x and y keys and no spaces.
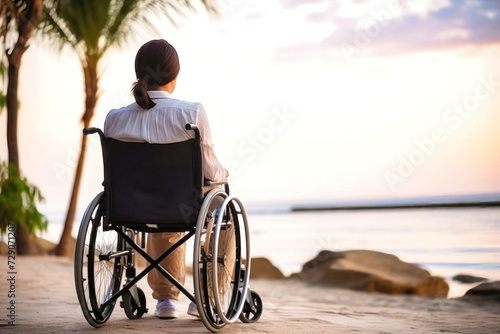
{"x":460,"y":200}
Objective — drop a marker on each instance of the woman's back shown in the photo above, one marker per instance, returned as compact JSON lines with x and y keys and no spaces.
{"x":162,"y":124}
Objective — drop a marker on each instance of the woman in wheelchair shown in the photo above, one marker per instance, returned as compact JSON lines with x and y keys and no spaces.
{"x":158,"y":118}
{"x":157,"y":155}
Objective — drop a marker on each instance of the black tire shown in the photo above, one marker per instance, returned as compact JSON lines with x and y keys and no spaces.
{"x":202,"y":262}
{"x":226,"y":271}
{"x":250,"y":314}
{"x":132,"y":310}
{"x":97,"y":280}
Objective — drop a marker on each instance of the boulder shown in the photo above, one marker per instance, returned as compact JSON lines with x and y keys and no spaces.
{"x":45,"y":246}
{"x":263,"y":268}
{"x":468,"y":278}
{"x":484,"y":291}
{"x":42,"y":246}
{"x":372,"y":271}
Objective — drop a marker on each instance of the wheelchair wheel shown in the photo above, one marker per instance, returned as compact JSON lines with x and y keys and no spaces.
{"x":217,"y":267}
{"x":132,"y":310}
{"x":202,"y":261}
{"x":96,"y":279}
{"x":231,"y":239}
{"x":252,"y":312}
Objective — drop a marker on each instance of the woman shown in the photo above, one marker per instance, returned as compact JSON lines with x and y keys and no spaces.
{"x":158,"y":118}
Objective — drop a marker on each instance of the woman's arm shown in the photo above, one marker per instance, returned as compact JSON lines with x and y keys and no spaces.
{"x":212,"y":168}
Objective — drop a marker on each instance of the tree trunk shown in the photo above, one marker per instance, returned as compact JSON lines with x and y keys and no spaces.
{"x":26,"y":23}
{"x":13,"y":107}
{"x":23,"y":240}
{"x":65,"y":246}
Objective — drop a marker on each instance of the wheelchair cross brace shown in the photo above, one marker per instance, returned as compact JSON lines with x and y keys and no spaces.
{"x":153,"y":264}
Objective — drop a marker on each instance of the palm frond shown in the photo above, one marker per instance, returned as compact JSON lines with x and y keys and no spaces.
{"x":10,"y":13}
{"x":96,"y":25}
{"x":137,"y":15}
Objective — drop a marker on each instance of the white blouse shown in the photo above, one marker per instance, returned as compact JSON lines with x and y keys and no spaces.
{"x":163,"y":124}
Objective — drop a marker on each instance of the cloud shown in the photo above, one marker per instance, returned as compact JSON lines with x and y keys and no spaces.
{"x":396,"y":27}
{"x":292,"y":4}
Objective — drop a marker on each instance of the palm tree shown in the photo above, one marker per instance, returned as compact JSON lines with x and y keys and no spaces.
{"x":18,"y":20}
{"x":91,"y":28}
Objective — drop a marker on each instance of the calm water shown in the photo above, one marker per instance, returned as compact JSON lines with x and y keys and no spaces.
{"x":444,"y":241}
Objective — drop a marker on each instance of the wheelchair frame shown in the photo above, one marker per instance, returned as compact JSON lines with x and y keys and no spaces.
{"x":105,"y":249}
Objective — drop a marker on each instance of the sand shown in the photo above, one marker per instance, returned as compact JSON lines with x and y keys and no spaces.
{"x":46,"y":302}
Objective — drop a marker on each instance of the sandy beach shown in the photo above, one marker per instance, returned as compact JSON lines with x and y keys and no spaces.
{"x":46,"y":302}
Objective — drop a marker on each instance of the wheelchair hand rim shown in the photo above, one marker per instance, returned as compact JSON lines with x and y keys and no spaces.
{"x":245,"y":285}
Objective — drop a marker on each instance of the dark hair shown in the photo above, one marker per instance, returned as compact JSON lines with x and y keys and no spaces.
{"x":156,"y":64}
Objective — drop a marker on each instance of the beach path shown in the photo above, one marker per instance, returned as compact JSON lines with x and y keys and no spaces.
{"x":46,"y":302}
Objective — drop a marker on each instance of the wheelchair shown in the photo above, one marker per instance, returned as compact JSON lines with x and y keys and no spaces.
{"x":153,"y":188}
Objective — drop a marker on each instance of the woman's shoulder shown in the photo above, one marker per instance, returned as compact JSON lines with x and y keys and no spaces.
{"x":161,"y":104}
{"x":181,"y":104}
{"x":132,"y":106}
{"x":116,"y":114}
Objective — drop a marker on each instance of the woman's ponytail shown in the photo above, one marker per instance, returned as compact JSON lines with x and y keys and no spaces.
{"x":141,"y":95}
{"x":156,"y":64}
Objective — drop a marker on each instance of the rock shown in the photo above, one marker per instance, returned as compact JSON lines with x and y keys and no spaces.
{"x":42,"y":246}
{"x":468,"y":278}
{"x":484,"y":291}
{"x":45,"y":247}
{"x":372,"y":271}
{"x":263,"y":268}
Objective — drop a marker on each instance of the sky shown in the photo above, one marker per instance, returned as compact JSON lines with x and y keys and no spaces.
{"x":308,"y":100}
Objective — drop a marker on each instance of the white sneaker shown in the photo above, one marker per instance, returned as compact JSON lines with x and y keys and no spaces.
{"x":193,"y":310}
{"x":167,"y":309}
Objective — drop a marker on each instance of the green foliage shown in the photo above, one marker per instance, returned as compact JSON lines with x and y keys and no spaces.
{"x":18,"y":201}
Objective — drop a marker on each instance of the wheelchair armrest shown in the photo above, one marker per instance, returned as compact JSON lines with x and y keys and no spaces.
{"x":209,"y":183}
{"x":224,"y":183}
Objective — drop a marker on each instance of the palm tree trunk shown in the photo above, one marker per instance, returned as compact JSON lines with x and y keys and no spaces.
{"x":13,"y":105}
{"x":24,"y":243}
{"x":26,"y":27}
{"x":66,"y":244}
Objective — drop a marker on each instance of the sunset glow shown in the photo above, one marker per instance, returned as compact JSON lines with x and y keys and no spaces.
{"x":308,"y":100}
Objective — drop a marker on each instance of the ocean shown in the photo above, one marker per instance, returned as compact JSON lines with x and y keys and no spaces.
{"x":446,"y":242}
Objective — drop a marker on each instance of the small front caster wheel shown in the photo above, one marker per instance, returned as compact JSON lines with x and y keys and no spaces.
{"x":252,"y":313}
{"x":132,"y":310}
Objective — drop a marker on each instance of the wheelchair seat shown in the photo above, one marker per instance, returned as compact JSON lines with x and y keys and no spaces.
{"x":152,"y":188}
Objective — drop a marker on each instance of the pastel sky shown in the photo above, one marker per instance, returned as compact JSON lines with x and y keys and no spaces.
{"x":307,"y":100}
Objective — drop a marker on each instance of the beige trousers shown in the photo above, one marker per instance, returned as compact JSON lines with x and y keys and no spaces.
{"x":175,"y":263}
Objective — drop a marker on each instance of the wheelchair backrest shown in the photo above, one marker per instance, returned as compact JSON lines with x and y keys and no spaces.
{"x":150,"y":186}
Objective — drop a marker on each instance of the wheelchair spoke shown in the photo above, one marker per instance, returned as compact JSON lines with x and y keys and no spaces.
{"x":97,"y":277}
